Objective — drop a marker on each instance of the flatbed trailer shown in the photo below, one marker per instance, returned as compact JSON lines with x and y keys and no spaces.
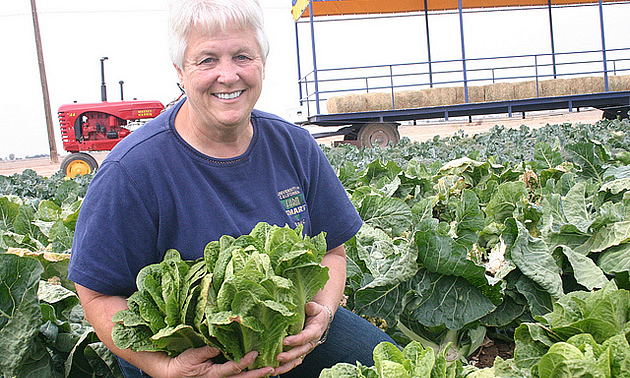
{"x":381,"y":126}
{"x":368,"y":127}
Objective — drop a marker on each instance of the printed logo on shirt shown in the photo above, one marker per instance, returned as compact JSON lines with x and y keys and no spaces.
{"x":294,"y":205}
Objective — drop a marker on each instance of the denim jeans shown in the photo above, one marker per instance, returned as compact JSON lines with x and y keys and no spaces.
{"x":350,"y":339}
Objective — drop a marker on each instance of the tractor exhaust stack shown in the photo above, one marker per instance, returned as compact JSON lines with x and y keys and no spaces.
{"x":103,"y":88}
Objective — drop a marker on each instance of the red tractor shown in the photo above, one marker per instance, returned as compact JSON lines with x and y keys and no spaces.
{"x":99,"y":127}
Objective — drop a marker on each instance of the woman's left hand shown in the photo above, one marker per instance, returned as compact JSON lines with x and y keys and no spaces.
{"x":317,"y":318}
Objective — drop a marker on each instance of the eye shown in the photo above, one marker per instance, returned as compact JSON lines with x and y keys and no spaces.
{"x":242,"y":58}
{"x":208,"y":61}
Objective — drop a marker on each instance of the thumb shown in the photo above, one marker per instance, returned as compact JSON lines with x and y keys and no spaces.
{"x":201,"y":354}
{"x":312,"y":308}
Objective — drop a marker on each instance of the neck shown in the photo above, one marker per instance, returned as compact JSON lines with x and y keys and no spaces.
{"x":218,"y":141}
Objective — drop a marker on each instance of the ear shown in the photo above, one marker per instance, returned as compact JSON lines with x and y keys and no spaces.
{"x":264,"y":68}
{"x":180,"y":74}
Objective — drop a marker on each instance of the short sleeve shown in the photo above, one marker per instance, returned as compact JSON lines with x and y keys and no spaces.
{"x":331,"y":209}
{"x":115,"y":235}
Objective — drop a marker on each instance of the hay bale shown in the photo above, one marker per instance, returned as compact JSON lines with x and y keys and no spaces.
{"x":460,"y":97}
{"x":525,"y":89}
{"x":554,"y":87}
{"x":619,"y":83}
{"x":583,"y":85}
{"x":432,"y":97}
{"x":439,"y":96}
{"x":498,"y":92}
{"x":347,"y":103}
{"x":410,"y":99}
{"x":378,"y":101}
{"x":475,"y":94}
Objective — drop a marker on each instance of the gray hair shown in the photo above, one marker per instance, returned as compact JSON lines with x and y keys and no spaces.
{"x":212,"y":16}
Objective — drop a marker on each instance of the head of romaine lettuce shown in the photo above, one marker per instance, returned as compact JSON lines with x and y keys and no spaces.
{"x":246,"y":293}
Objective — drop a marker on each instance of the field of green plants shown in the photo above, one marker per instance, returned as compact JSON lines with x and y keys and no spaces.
{"x":518,"y":234}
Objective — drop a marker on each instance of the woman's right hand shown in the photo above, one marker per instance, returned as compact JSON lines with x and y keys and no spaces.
{"x":196,"y":363}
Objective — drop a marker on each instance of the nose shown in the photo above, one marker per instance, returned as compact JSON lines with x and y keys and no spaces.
{"x":227,"y":72}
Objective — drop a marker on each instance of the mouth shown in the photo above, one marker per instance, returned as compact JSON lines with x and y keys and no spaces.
{"x":228,"y":96}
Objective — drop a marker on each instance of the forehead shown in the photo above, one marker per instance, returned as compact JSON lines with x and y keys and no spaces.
{"x":231,"y":36}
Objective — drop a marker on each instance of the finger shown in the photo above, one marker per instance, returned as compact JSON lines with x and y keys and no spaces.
{"x":313,"y":330}
{"x":295,"y":353}
{"x":194,"y":360}
{"x":232,"y":367}
{"x":258,"y":373}
{"x":313,"y":345}
{"x":314,"y":308}
{"x":285,"y":367}
{"x":201,"y":354}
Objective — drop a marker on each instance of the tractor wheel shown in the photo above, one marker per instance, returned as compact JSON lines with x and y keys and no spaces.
{"x":78,"y":163}
{"x":378,"y":134}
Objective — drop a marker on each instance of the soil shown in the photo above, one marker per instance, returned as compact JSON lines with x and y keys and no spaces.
{"x":42,"y":165}
{"x":428,"y":129}
{"x":484,"y":356}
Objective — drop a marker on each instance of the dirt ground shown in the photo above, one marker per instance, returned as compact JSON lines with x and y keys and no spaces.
{"x":420,"y":132}
{"x":428,"y":129}
{"x":42,"y":165}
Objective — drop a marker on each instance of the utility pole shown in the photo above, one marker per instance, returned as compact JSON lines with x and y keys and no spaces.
{"x":54,"y":158}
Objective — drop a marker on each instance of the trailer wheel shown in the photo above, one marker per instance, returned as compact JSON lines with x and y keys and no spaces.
{"x":378,"y":134}
{"x":78,"y":163}
{"x":616,"y":112}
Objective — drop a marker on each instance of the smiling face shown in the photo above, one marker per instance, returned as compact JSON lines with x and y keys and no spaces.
{"x":222,"y":76}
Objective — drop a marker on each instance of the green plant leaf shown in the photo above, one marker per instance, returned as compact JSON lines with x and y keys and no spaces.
{"x":615,"y":259}
{"x":533,"y":258}
{"x":586,"y":272}
{"x":590,"y":157}
{"x":386,"y":213}
{"x":175,"y":340}
{"x":436,"y":300}
{"x":546,"y":157}
{"x":20,"y":314}
{"x":439,"y":253}
{"x":8,"y":212}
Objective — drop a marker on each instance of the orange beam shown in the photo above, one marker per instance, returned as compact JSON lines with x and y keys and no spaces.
{"x":345,"y":7}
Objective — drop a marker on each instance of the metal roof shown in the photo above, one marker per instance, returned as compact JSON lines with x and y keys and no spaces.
{"x":347,"y":7}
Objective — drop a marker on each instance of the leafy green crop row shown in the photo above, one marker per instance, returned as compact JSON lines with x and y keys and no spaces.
{"x":42,"y":328}
{"x":451,"y":251}
{"x":586,"y":335}
{"x":499,"y":143}
{"x":463,"y":236}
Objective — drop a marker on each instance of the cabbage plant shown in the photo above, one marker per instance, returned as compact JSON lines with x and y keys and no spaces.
{"x":246,"y":293}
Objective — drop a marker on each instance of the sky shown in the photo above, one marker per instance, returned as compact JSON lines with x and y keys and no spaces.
{"x":76,"y":34}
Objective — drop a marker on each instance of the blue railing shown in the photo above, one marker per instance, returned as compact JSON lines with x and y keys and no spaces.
{"x":450,"y":73}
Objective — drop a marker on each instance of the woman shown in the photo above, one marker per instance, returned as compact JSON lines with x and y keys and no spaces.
{"x":210,"y":166}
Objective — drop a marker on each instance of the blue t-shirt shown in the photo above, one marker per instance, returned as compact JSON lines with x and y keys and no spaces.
{"x":155,"y":192}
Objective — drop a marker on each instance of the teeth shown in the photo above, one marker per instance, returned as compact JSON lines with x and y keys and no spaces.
{"x":228,"y":96}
